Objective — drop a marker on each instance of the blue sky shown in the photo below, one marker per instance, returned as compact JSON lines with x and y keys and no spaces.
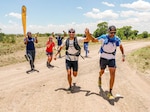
{"x":46,"y":16}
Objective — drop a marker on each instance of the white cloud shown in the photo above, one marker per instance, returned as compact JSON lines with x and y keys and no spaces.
{"x":138,"y":5}
{"x":108,"y":4}
{"x":129,"y":13}
{"x":96,"y":14}
{"x":79,"y":8}
{"x":16,"y":15}
{"x":95,"y":10}
{"x":141,"y":16}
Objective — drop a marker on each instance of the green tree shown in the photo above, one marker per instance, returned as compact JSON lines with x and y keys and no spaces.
{"x":127,"y":31}
{"x":145,"y":34}
{"x":134,"y":34}
{"x":101,"y":29}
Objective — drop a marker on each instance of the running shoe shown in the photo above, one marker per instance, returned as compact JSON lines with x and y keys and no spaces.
{"x":70,"y":88}
{"x":110,"y":96}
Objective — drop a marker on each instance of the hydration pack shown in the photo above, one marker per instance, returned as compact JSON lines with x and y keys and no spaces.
{"x":76,"y":46}
{"x":115,"y":43}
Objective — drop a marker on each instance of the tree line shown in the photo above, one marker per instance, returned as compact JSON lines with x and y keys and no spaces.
{"x":125,"y":33}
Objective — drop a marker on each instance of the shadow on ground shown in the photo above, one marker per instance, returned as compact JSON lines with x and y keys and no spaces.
{"x":75,"y":89}
{"x":104,"y":95}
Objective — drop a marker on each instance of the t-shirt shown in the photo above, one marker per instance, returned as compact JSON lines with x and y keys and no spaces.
{"x":109,"y":45}
{"x":71,"y":49}
{"x":50,"y":47}
{"x":30,"y":44}
{"x":59,"y":40}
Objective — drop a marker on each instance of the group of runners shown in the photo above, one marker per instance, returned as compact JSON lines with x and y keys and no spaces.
{"x":109,"y":44}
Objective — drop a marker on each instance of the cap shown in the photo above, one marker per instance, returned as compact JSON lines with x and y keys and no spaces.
{"x":71,"y":30}
{"x":112,"y":28}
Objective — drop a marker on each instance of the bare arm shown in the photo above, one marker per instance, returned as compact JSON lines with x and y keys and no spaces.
{"x":60,"y":48}
{"x":65,"y":34}
{"x":26,"y":40}
{"x":36,"y":40}
{"x":122,"y":51}
{"x":89,"y":36}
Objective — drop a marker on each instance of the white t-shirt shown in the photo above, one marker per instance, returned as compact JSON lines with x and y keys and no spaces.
{"x":71,"y":48}
{"x":109,"y":47}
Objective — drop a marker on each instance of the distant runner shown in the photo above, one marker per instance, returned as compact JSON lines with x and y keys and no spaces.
{"x":86,"y":47}
{"x":72,"y":54}
{"x":30,"y":48}
{"x":50,"y":45}
{"x":110,"y":42}
{"x":59,"y":39}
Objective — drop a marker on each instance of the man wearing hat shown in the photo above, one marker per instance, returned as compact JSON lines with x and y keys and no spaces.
{"x":110,"y":42}
{"x":72,"y":54}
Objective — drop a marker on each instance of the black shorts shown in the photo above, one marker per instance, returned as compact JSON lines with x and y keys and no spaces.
{"x":72,"y":65}
{"x":49,"y":53}
{"x":105,"y":62}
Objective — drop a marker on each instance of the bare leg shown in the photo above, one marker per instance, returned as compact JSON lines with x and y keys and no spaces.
{"x":69,"y":77}
{"x":75,"y":73}
{"x":112,"y":77}
{"x":100,"y":75}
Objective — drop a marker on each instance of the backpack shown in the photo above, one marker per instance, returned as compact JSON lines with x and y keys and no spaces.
{"x":114,"y":42}
{"x":76,"y":46}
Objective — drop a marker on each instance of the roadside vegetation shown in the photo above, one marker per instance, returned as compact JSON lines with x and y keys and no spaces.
{"x":140,"y":59}
{"x":12,"y":48}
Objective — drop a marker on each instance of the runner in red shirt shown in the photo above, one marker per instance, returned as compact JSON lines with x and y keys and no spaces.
{"x":50,"y":45}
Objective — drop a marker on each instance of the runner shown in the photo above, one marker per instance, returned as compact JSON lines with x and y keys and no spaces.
{"x":86,"y":47}
{"x":30,"y":48}
{"x":59,"y":39}
{"x":108,"y":52}
{"x":72,"y":54}
{"x":50,"y":45}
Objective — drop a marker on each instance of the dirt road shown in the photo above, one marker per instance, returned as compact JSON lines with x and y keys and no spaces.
{"x":46,"y":91}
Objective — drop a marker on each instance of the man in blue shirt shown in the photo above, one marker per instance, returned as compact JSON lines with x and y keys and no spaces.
{"x":108,"y":52}
{"x":59,"y":39}
{"x":30,"y":48}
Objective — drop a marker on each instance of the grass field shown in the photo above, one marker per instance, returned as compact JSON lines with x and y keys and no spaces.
{"x":140,"y":59}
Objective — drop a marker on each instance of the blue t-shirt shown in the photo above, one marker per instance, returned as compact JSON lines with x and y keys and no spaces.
{"x":30,"y":44}
{"x":59,"y":40}
{"x":106,"y":40}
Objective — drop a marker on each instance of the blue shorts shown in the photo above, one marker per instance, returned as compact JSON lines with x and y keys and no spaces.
{"x":86,"y":46}
{"x":72,"y":65}
{"x":105,"y":62}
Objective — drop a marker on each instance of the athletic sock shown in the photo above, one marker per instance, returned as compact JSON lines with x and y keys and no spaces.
{"x":110,"y":91}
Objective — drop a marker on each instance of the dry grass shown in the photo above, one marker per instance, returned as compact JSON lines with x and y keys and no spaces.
{"x":140,"y":59}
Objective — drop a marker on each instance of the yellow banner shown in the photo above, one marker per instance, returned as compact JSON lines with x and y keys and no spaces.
{"x":24,"y":19}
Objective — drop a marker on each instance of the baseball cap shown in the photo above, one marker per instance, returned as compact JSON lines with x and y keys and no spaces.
{"x":112,"y":28}
{"x":71,"y":30}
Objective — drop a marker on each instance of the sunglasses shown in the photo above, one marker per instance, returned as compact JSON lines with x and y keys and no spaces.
{"x":71,"y":31}
{"x":112,"y":32}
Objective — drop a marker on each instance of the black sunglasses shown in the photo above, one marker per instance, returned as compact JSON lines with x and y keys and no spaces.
{"x":72,"y":32}
{"x":112,"y":32}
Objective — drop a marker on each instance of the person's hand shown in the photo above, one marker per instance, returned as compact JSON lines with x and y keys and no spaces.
{"x":123,"y":58}
{"x":55,"y":57}
{"x":56,"y":49}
